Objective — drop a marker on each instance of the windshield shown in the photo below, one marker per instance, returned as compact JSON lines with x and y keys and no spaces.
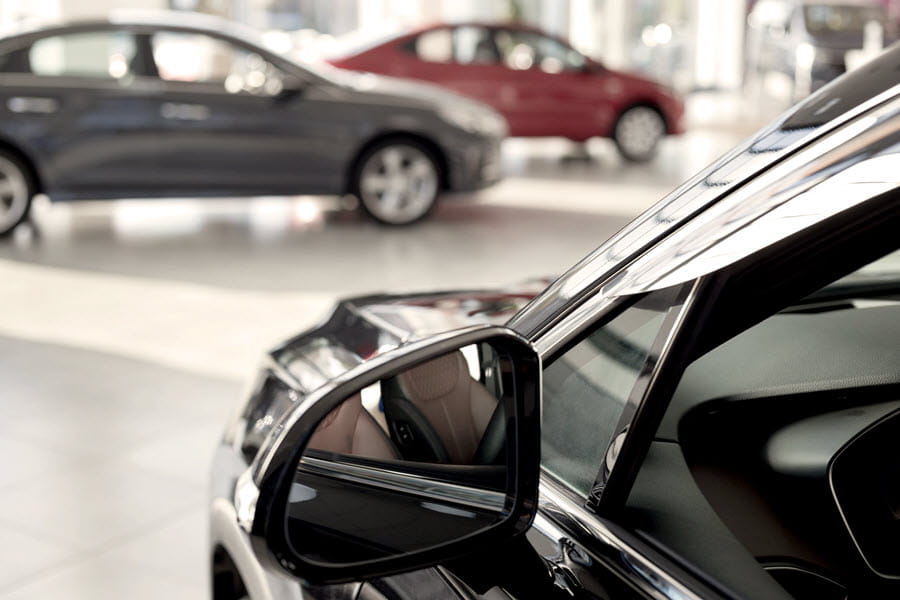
{"x":837,"y":18}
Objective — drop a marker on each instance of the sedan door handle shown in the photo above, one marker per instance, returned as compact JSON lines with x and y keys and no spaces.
{"x":32,"y":104}
{"x":184,"y":112}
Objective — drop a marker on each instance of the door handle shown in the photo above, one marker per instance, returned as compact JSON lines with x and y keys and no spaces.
{"x":184,"y":112}
{"x":32,"y":104}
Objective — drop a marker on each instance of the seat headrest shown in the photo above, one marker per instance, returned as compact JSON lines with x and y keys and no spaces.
{"x":435,"y":378}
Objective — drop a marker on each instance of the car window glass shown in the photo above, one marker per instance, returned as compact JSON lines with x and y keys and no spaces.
{"x":586,"y":390}
{"x":521,"y":50}
{"x":100,"y":54}
{"x":199,"y":58}
{"x":435,"y":46}
{"x":786,"y":439}
{"x":473,"y":45}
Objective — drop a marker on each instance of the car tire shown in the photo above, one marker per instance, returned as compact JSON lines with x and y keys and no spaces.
{"x":397,"y":181}
{"x":637,"y":133}
{"x":16,"y":190}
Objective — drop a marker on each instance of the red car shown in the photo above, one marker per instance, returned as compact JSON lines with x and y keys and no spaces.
{"x":538,"y":82}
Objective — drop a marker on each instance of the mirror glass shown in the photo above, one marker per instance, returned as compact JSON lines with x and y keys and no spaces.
{"x":416,"y":460}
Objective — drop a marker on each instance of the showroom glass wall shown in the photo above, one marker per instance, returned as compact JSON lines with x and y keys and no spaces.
{"x":689,"y":44}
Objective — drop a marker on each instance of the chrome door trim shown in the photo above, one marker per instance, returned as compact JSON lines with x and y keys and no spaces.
{"x":654,"y":575}
{"x":32,"y":104}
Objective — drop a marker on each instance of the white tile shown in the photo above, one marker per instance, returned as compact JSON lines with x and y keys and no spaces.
{"x":179,"y":549}
{"x":90,"y":507}
{"x":28,"y":460}
{"x":26,"y":555}
{"x":186,"y":455}
{"x":106,"y":578}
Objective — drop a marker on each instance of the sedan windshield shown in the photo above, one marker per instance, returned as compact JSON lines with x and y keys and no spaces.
{"x":837,"y":18}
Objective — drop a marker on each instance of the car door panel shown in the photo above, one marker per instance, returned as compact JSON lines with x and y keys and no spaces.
{"x":214,"y":140}
{"x":92,"y":138}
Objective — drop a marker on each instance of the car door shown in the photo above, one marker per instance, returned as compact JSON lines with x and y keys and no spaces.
{"x":549,"y":89}
{"x":80,"y":102}
{"x":593,"y":390}
{"x":232,"y":121}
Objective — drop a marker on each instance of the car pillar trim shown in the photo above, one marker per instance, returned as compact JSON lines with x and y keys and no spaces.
{"x":615,"y":548}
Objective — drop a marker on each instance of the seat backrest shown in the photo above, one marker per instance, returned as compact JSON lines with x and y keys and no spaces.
{"x":457,"y":408}
{"x":350,"y":429}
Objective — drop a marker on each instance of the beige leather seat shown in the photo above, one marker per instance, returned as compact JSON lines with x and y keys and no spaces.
{"x":457,"y":407}
{"x":350,"y":429}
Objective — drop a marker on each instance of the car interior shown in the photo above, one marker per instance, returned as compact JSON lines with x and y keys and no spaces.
{"x":776,"y":466}
{"x":434,"y":413}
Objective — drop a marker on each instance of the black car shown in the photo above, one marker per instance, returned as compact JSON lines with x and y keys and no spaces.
{"x":707,"y":406}
{"x":184,"y":105}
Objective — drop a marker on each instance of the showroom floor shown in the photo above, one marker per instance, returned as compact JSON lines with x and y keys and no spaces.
{"x":128,"y":329}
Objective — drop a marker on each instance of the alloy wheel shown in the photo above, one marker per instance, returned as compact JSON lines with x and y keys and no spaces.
{"x":15,"y":195}
{"x":398,"y":184}
{"x":638,"y":132}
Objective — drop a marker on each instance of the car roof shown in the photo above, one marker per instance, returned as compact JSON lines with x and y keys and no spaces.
{"x":168,"y":19}
{"x":688,"y":211}
{"x":360,"y":42}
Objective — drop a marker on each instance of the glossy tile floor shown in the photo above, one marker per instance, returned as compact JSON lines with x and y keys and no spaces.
{"x":128,"y":328}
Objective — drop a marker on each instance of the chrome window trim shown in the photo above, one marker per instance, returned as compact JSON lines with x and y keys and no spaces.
{"x":635,"y":404}
{"x":803,"y":170}
{"x":681,"y":207}
{"x":406,"y":483}
{"x":590,"y":311}
{"x":654,"y":579}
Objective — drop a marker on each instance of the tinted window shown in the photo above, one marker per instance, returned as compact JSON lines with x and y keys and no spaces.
{"x":522,"y":50}
{"x":837,"y":18}
{"x":586,"y":390}
{"x":100,"y":54}
{"x":201,"y":58}
{"x":473,"y":45}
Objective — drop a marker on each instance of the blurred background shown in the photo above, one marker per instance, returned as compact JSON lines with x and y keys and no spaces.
{"x":130,"y":324}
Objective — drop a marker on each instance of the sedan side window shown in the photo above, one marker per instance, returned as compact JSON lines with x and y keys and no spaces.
{"x":95,"y":54}
{"x":587,"y":389}
{"x":473,"y":45}
{"x":199,"y":58}
{"x":435,"y":46}
{"x":522,"y":50}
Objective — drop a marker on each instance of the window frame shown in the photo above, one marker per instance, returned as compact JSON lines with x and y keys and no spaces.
{"x":212,"y":86}
{"x":540,"y":35}
{"x":410,"y":46}
{"x":635,"y":407}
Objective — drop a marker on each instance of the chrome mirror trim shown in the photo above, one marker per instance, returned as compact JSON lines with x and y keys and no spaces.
{"x":397,"y":481}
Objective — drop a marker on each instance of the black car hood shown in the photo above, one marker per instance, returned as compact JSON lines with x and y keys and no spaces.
{"x":362,"y":328}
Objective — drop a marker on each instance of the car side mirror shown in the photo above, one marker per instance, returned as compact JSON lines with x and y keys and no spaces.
{"x":291,"y":87}
{"x":421,"y":455}
{"x":592,"y":66}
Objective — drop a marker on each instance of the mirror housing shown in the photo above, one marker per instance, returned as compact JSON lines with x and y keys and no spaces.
{"x":282,"y":463}
{"x":592,"y":66}
{"x":291,"y":87}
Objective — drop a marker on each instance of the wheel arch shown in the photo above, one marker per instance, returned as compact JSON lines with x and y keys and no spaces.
{"x":433,"y":148}
{"x":226,"y":580}
{"x":27,"y":161}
